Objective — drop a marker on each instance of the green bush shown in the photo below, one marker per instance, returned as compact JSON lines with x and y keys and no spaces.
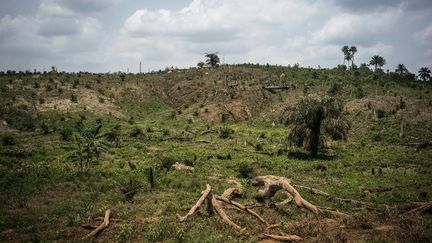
{"x":136,"y":132}
{"x":245,"y":170}
{"x":8,"y":140}
{"x":167,"y":162}
{"x":66,"y":134}
{"x":130,"y":188}
{"x":226,"y":132}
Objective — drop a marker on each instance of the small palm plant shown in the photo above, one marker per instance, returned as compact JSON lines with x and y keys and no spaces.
{"x":88,"y":147}
{"x":313,"y":120}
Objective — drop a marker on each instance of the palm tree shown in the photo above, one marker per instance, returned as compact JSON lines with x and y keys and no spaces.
{"x":88,"y":148}
{"x":345,"y":51}
{"x":212,"y":59}
{"x":377,"y":61}
{"x":424,"y":74}
{"x":352,"y":51}
{"x":314,"y":119}
{"x":401,"y":69}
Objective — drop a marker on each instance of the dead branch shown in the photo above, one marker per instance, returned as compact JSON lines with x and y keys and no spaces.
{"x":283,"y":238}
{"x":325,"y":194}
{"x":272,"y":184}
{"x":180,"y":166}
{"x":209,"y":131}
{"x":204,"y":195}
{"x":422,"y":207}
{"x":216,"y":205}
{"x":242,"y":207}
{"x":102,"y":226}
{"x":182,"y":139}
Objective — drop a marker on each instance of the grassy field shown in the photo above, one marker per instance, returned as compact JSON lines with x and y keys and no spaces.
{"x":44,"y":198}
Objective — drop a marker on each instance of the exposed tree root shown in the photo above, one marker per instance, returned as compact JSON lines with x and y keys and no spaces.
{"x":272,"y":184}
{"x":214,"y":204}
{"x":180,"y":166}
{"x":102,"y":226}
{"x":284,"y":238}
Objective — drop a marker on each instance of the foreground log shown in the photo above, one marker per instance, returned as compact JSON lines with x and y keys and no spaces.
{"x":273,"y":184}
{"x":283,"y":238}
{"x":180,"y":166}
{"x":102,"y":226}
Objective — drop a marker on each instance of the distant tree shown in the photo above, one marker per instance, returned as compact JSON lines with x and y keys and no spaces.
{"x":401,"y":69}
{"x":352,"y":52}
{"x":345,"y":51}
{"x":314,"y":119}
{"x":377,"y":61}
{"x":212,"y":59}
{"x":424,"y":74}
{"x":200,"y":64}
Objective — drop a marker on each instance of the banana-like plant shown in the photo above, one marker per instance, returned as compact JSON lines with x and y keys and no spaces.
{"x":88,"y":146}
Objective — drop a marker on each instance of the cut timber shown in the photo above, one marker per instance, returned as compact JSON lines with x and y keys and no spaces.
{"x":102,"y":226}
{"x":283,"y":238}
{"x":204,"y":195}
{"x":180,"y":166}
{"x":272,"y":184}
{"x":274,"y":88}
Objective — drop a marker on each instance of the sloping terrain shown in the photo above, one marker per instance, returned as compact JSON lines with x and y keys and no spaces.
{"x":226,"y":125}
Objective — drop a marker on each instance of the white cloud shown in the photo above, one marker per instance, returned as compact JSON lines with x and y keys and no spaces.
{"x":80,"y":34}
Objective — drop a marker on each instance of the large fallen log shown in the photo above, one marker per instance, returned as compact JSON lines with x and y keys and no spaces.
{"x":273,"y":184}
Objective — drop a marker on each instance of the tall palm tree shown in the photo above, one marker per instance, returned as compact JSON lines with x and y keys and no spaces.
{"x":345,"y":51}
{"x":424,"y":74}
{"x":377,"y":61}
{"x":352,"y":51}
{"x":401,"y":69}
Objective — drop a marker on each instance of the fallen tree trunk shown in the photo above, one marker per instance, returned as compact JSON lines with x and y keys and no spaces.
{"x":272,"y":184}
{"x":180,"y":166}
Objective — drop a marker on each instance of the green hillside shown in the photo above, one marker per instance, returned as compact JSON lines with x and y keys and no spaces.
{"x":226,"y":122}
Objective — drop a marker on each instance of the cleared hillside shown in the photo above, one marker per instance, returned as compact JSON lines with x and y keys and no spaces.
{"x":225,"y":122}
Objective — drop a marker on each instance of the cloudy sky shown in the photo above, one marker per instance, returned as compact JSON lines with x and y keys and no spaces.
{"x":113,"y":35}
